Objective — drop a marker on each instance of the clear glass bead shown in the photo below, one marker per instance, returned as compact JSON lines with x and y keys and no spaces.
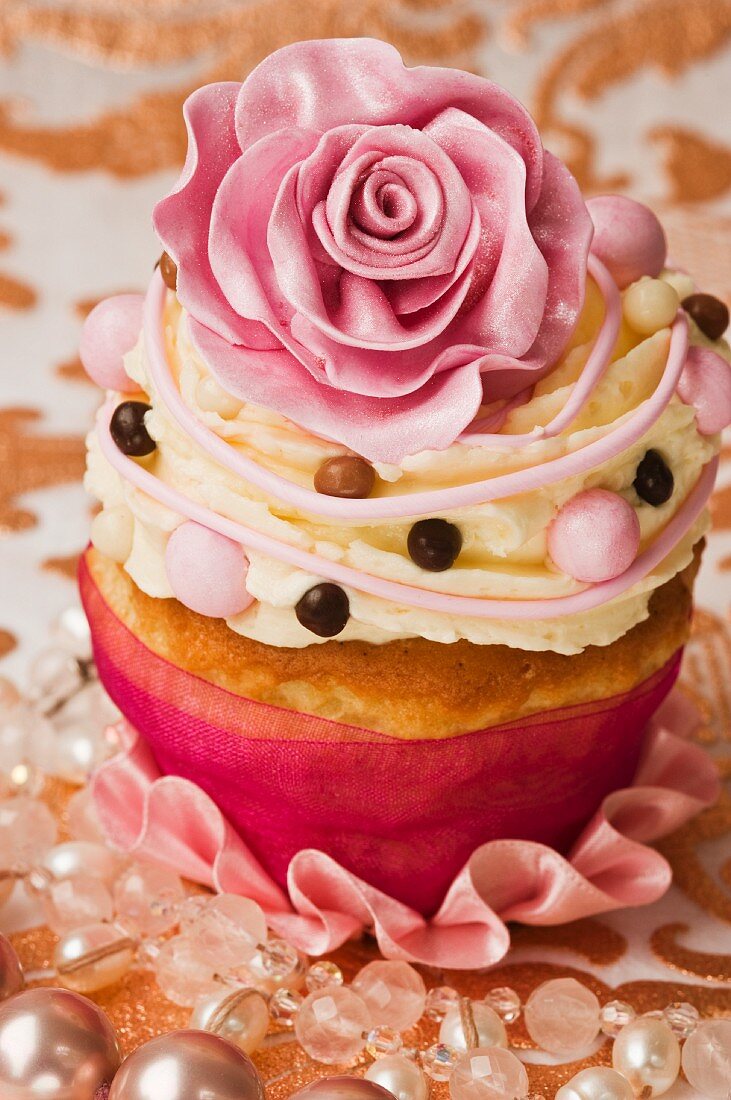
{"x":332,"y":1024}
{"x":277,"y":960}
{"x":81,"y":817}
{"x":682,"y":1017}
{"x":615,"y":1015}
{"x":54,"y":675}
{"x":439,"y":1001}
{"x":654,"y":1014}
{"x":26,"y":739}
{"x":562,"y":1016}
{"x":438,"y":1061}
{"x":228,"y":931}
{"x":382,"y":1041}
{"x":393,"y":991}
{"x":284,"y":1004}
{"x":27,"y":830}
{"x":191,"y":908}
{"x":707,"y":1059}
{"x":505,"y":1001}
{"x":70,"y":631}
{"x":146,"y":899}
{"x":181,"y":974}
{"x":322,"y":974}
{"x":75,"y":902}
{"x":488,"y":1073}
{"x":81,"y":733}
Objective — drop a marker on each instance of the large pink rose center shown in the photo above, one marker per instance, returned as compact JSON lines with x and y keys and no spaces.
{"x":383,"y":206}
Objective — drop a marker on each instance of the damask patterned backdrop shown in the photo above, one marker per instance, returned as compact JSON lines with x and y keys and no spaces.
{"x":633,"y":94}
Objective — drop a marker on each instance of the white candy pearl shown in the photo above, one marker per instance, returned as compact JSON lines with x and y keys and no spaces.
{"x":490,"y":1028}
{"x":112,"y":531}
{"x":596,"y":1083}
{"x":649,"y":305}
{"x":399,"y":1075}
{"x":647,"y":1053}
{"x":212,"y":398}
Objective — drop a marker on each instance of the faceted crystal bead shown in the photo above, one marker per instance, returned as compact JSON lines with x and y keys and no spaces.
{"x":190,"y":910}
{"x":239,"y":1015}
{"x":53,"y":676}
{"x":381,"y":1041}
{"x":332,"y":1024}
{"x":81,"y":738}
{"x":614,"y":1016}
{"x":322,"y":974}
{"x":654,"y":1014}
{"x":26,"y":738}
{"x":81,"y":857}
{"x":505,"y":1001}
{"x":93,"y":957}
{"x":146,"y":897}
{"x":562,"y":1016}
{"x":489,"y":1028}
{"x":228,"y":931}
{"x":682,"y":1017}
{"x":74,"y":902}
{"x":393,"y":991}
{"x":27,"y":830}
{"x":81,"y":817}
{"x":277,"y":962}
{"x":488,"y":1073}
{"x":707,"y":1059}
{"x":70,"y":631}
{"x":181,"y":974}
{"x":439,"y":1001}
{"x":284,"y":1004}
{"x":438,"y":1061}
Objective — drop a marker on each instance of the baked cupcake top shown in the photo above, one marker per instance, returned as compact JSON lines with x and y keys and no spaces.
{"x":396,"y":378}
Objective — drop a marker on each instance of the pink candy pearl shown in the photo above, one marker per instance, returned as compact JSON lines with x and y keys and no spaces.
{"x":207,"y":571}
{"x":706,"y":385}
{"x":595,"y":536}
{"x":628,"y":238}
{"x":110,"y":331}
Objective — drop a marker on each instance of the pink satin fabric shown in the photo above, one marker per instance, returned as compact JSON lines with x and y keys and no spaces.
{"x":334,"y":829}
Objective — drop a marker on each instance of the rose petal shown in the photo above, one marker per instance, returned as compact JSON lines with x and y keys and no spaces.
{"x":380,"y":429}
{"x":322,"y":84}
{"x":182,"y":219}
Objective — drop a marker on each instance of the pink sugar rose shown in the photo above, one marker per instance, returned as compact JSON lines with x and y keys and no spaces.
{"x":370,"y":250}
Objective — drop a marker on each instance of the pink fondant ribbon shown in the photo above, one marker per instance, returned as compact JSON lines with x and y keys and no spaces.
{"x":255,"y":759}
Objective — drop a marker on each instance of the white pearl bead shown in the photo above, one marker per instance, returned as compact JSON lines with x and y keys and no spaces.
{"x":93,"y":958}
{"x":596,"y":1083}
{"x":112,"y":531}
{"x":81,"y":857}
{"x":490,"y":1028}
{"x":239,"y":1015}
{"x":212,"y":398}
{"x":399,"y":1075}
{"x":647,"y":1053}
{"x":649,"y":305}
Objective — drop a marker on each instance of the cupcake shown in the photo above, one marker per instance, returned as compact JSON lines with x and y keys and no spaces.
{"x":403,"y":472}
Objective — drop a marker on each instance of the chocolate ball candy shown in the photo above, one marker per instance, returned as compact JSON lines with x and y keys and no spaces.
{"x":169,"y":271}
{"x":324,"y":610}
{"x":434,"y":544}
{"x":127,"y":428}
{"x":709,"y":313}
{"x":654,"y":482}
{"x":345,"y":476}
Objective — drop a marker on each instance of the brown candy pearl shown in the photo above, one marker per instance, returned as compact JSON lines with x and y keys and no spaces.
{"x":324,"y":610}
{"x":434,"y":544}
{"x":169,"y":271}
{"x":709,"y":313}
{"x":345,"y":476}
{"x":127,"y":429}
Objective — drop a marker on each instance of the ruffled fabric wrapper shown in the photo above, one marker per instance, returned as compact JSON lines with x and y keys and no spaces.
{"x":433,"y":845}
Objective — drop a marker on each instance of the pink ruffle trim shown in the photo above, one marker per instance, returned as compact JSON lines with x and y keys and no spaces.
{"x":610,"y":866}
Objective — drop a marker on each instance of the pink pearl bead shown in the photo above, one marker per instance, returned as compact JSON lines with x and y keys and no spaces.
{"x":228,"y":931}
{"x":110,"y":331}
{"x":146,"y":897}
{"x":595,"y":536}
{"x":562,"y":1016}
{"x":706,"y":385}
{"x":343,"y":1088}
{"x":27,"y":831}
{"x":628,"y":238}
{"x":394,"y":993}
{"x":207,"y":572}
{"x":332,"y":1024}
{"x":488,"y":1073}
